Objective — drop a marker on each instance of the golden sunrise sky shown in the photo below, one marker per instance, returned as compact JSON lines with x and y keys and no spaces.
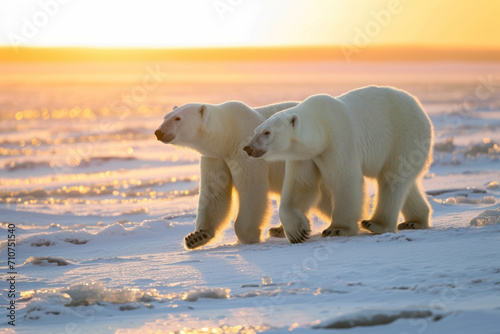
{"x":223,"y":23}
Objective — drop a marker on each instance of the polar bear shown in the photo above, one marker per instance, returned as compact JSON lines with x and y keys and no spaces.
{"x":376,"y":132}
{"x":218,"y":133}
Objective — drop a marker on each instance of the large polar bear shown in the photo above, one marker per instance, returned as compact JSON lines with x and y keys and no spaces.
{"x":218,"y":133}
{"x":377,"y":132}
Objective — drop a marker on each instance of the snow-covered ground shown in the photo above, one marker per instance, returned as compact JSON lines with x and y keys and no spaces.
{"x":101,"y":208}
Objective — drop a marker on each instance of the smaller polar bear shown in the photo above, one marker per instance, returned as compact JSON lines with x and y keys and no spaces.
{"x":218,"y":133}
{"x":377,"y":132}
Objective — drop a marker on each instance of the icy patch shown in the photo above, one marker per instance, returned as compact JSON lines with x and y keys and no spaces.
{"x":492,"y":185}
{"x":453,"y":190}
{"x":113,"y":229}
{"x":488,"y":217}
{"x":154,"y":224}
{"x":445,"y":146}
{"x":215,"y":293}
{"x":62,"y":301}
{"x":46,"y":261}
{"x":88,"y":294}
{"x":377,"y":317}
{"x":82,"y":237}
{"x":487,"y":147}
{"x":467,"y":200}
{"x":138,"y":211}
{"x":47,"y":302}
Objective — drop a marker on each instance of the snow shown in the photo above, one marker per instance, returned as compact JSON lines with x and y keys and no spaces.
{"x":101,"y":210}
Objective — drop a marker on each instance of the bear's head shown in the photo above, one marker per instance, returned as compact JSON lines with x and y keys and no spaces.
{"x":274,"y":139}
{"x":287,"y":135}
{"x":190,"y":126}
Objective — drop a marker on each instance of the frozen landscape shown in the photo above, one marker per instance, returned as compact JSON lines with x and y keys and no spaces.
{"x":101,"y":208}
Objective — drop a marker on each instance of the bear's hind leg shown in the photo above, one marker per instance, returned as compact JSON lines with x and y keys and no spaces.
{"x":390,"y":197}
{"x":349,"y":199}
{"x":277,"y":232}
{"x":416,"y":210}
{"x":300,"y":192}
{"x":254,"y":211}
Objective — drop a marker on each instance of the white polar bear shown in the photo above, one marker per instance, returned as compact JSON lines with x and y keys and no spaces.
{"x":218,"y":133}
{"x":377,"y":132}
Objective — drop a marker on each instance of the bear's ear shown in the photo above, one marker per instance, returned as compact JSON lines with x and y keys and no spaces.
{"x":175,"y":107}
{"x":203,"y":113}
{"x":294,"y":121}
{"x":202,"y":110}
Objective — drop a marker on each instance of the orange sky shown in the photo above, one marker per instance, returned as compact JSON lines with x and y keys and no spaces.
{"x":222,"y":23}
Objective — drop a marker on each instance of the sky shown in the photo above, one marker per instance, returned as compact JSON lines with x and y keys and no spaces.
{"x":223,"y":23}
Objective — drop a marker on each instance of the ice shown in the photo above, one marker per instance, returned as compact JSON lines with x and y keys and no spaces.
{"x":445,"y":146}
{"x":91,"y":293}
{"x":213,"y":293}
{"x":370,"y":318}
{"x":88,"y":185}
{"x":46,"y":260}
{"x":488,"y":217}
{"x":157,"y":224}
{"x":493,"y":185}
{"x":487,"y":147}
{"x":467,"y":200}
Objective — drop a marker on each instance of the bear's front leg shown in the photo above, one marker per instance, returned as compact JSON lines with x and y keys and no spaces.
{"x":214,"y":202}
{"x":295,"y":223}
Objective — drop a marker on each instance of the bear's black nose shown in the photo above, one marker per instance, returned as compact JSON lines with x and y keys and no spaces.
{"x":248,"y":149}
{"x":158,"y":134}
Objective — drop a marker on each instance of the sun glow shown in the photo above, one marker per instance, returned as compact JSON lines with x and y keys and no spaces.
{"x":224,"y":23}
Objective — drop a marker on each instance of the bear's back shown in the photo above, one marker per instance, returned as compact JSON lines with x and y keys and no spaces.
{"x":269,"y":110}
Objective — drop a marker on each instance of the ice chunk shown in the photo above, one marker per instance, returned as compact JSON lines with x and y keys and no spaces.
{"x":375,"y":317}
{"x":488,"y":217}
{"x":215,"y":293}
{"x":47,"y":261}
{"x":492,"y":185}
{"x":114,"y":229}
{"x":487,"y":147}
{"x":137,"y":211}
{"x":90,"y":293}
{"x":467,"y":200}
{"x":47,"y":302}
{"x":155,"y":224}
{"x":445,"y":146}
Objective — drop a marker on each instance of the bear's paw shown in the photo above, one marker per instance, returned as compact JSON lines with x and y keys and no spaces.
{"x":197,"y":239}
{"x":277,"y":232}
{"x":336,"y":232}
{"x":412,"y":225}
{"x":376,"y":227}
{"x":297,"y":235}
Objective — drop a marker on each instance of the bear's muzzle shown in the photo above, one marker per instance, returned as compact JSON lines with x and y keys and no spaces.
{"x":252,"y":152}
{"x":164,"y":138}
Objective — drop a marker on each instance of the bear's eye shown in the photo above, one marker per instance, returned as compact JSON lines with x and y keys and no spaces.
{"x":177,"y":119}
{"x":267,"y":133}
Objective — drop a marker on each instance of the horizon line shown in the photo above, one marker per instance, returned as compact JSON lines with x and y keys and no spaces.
{"x":350,"y":53}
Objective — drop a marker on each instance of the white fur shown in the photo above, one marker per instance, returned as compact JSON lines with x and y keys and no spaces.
{"x":218,"y":133}
{"x":377,"y":132}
